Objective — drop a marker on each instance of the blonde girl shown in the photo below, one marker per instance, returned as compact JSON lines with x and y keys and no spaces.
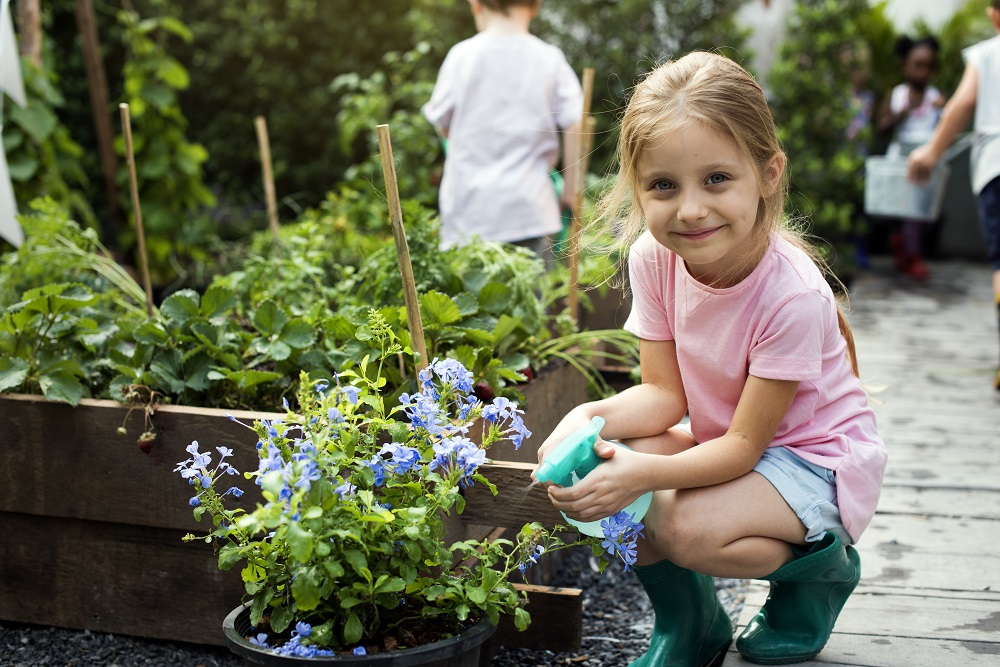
{"x":782,"y":466}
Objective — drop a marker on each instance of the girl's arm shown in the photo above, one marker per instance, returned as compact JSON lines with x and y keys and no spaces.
{"x":887,"y":118}
{"x":626,"y":475}
{"x":643,"y":410}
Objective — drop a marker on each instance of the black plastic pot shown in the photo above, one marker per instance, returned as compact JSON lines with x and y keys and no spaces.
{"x":459,"y":651}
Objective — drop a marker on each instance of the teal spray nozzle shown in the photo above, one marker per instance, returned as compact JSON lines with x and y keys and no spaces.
{"x":575,"y":454}
{"x":572,"y":460}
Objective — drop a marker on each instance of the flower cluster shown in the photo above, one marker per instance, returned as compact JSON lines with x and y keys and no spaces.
{"x":620,"y":536}
{"x":294,"y":646}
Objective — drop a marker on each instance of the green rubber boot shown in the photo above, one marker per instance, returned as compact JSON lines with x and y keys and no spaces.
{"x":692,"y":629}
{"x":806,"y":597}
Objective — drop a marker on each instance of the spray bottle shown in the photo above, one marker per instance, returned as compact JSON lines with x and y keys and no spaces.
{"x":572,"y":460}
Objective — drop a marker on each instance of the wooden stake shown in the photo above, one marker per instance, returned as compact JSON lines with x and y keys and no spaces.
{"x":99,"y":108}
{"x":29,"y":29}
{"x":402,"y":249}
{"x":134,"y":188}
{"x":268,"y":175}
{"x":573,"y":259}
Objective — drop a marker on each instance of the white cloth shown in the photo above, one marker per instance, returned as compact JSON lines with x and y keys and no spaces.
{"x":985,"y":58}
{"x":12,"y":84}
{"x":502,"y":99}
{"x":918,"y":126}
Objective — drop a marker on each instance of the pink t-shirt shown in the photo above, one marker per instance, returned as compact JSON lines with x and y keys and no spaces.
{"x":778,"y":323}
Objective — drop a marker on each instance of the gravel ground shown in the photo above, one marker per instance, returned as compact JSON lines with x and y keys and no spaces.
{"x":617,"y":621}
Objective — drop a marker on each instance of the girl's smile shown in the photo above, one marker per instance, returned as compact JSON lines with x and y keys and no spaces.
{"x":700,"y":197}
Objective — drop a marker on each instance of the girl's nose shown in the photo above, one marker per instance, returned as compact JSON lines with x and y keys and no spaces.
{"x":692,"y":208}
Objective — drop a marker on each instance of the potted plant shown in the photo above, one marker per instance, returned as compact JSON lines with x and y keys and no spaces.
{"x":346,"y":553}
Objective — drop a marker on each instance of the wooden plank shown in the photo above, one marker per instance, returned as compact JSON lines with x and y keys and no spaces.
{"x":903,"y":499}
{"x":51,"y":447}
{"x":963,"y":616}
{"x":846,"y":650}
{"x":946,"y":475}
{"x":110,"y":577}
{"x":515,"y":504}
{"x":930,"y":553}
{"x":556,"y":620}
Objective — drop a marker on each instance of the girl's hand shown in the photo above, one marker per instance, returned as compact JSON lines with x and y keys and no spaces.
{"x":609,"y":488}
{"x":920,"y":164}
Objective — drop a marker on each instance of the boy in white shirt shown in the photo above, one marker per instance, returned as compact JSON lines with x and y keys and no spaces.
{"x":978,"y":94}
{"x":502,"y":99}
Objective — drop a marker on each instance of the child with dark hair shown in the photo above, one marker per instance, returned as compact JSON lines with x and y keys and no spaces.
{"x":911,"y":112}
{"x":502,"y":99}
{"x":978,"y":93}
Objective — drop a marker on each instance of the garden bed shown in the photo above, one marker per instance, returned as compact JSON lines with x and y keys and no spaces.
{"x":93,"y":526}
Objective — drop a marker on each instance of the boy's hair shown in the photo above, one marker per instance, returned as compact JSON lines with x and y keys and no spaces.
{"x":503,"y":5}
{"x":905,"y":44}
{"x":719,"y":94}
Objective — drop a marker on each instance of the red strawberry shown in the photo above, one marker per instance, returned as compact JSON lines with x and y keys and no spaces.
{"x":528,"y":373}
{"x":483,"y":392}
{"x":145,"y":442}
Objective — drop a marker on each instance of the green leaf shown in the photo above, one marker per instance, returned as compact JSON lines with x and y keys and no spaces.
{"x":22,"y":168}
{"x":437,"y":308}
{"x":251,"y":378}
{"x":181,"y":306}
{"x":13,"y":373}
{"x":467,"y":304}
{"x":217,"y":301}
{"x":357,"y":561}
{"x":166,"y":367}
{"x":277,"y":350}
{"x":37,"y":120}
{"x":151,"y":333}
{"x":495,"y":298}
{"x":391,"y":585}
{"x":61,"y":386}
{"x":305,"y":589}
{"x":476,"y":594}
{"x":353,"y":629}
{"x":281,"y":618}
{"x":298,"y":334}
{"x":522,"y":619}
{"x":300,"y":542}
{"x":229,"y":555}
{"x":269,"y":318}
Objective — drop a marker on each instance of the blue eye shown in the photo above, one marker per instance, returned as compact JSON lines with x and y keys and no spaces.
{"x":662,"y":186}
{"x":717,"y":179}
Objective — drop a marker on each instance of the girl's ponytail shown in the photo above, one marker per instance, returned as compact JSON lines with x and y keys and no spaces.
{"x":845,"y":330}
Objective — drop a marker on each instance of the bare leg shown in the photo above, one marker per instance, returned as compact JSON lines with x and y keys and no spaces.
{"x":740,"y":529}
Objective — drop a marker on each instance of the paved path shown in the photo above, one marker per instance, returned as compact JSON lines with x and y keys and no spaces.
{"x":930,"y":589}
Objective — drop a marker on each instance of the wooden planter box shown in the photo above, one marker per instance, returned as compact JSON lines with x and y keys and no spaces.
{"x":91,"y":528}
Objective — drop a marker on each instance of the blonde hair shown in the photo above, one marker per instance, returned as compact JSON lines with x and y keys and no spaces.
{"x":715,"y":91}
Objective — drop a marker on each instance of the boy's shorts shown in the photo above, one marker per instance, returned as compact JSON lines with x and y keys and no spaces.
{"x":810,"y":490}
{"x":989,"y":220}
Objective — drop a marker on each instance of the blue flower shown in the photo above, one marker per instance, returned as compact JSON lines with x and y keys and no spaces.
{"x":620,"y":536}
{"x":351,"y":392}
{"x":403,"y":457}
{"x":235,"y":490}
{"x":284,"y":403}
{"x":321,"y":386}
{"x":260,"y":640}
{"x":194,"y":502}
{"x":360,"y":650}
{"x":346,"y":489}
{"x":453,"y":373}
{"x":303,"y":628}
{"x":379,"y":469}
{"x":309,"y":474}
{"x":333,"y":414}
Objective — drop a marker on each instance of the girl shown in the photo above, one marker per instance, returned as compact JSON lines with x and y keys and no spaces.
{"x":910,"y":113}
{"x":782,"y":466}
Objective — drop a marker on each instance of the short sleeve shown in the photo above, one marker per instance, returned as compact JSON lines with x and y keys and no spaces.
{"x":568,"y":95}
{"x":439,"y":109}
{"x":790,"y":346}
{"x":648,"y":318}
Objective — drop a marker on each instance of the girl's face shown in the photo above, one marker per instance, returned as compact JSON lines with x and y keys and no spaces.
{"x":699,"y":196}
{"x":919,"y":66}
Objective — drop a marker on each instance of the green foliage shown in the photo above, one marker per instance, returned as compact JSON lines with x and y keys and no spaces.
{"x":42,"y":157}
{"x":812,"y":89}
{"x":393,"y":95}
{"x":349,"y":535}
{"x":624,"y":40}
{"x":169,"y":167}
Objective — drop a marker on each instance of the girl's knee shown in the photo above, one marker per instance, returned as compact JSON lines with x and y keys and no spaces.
{"x":681,"y":535}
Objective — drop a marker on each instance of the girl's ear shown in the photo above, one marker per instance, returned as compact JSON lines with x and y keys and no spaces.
{"x":772,"y":173}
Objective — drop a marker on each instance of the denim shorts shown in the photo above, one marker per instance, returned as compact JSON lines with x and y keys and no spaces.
{"x":989,"y":220}
{"x":810,"y":490}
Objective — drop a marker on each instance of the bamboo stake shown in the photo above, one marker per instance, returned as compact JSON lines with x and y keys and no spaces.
{"x":134,"y":188}
{"x":573,"y":259}
{"x":402,"y":249}
{"x":268,"y":175}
